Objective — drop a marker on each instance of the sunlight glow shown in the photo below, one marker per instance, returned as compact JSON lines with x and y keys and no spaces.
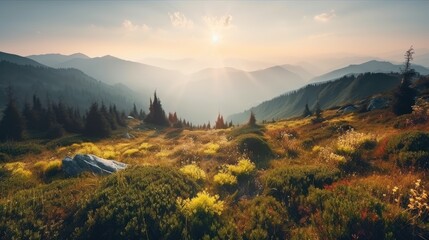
{"x":215,"y":38}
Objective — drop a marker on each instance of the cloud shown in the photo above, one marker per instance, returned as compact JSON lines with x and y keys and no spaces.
{"x":179,"y":19}
{"x":130,"y":26}
{"x":218,"y":22}
{"x":325,"y":17}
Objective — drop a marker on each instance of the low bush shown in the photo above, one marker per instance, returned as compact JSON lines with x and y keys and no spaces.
{"x":4,"y":157}
{"x":48,"y":169}
{"x":290,"y":184}
{"x":44,"y":212}
{"x":409,"y":142}
{"x":225,"y":179}
{"x":193,"y":171}
{"x":16,"y":149}
{"x":256,"y":148}
{"x":262,"y":218}
{"x":204,"y":217}
{"x":137,"y":203}
{"x":246,"y":129}
{"x":410,"y":149}
{"x":343,"y":213}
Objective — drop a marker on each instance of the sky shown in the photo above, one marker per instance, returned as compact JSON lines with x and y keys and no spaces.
{"x":271,"y":31}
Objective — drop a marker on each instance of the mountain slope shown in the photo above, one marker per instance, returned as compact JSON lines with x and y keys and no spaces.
{"x":70,"y":86}
{"x":370,"y":66}
{"x":333,"y":93}
{"x":18,"y":60}
{"x":224,"y":90}
{"x":228,"y":90}
{"x":53,"y":60}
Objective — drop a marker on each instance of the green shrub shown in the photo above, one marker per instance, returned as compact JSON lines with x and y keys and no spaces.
{"x":204,"y":218}
{"x":255,"y":147}
{"x":137,"y":203}
{"x":410,"y":149}
{"x":418,"y":159}
{"x":16,"y":149}
{"x":43,"y":212}
{"x":262,"y":218}
{"x":65,"y":141}
{"x":409,"y":142}
{"x":290,"y":184}
{"x":246,"y":129}
{"x":344,"y":213}
{"x":14,"y":177}
{"x":4,"y":157}
{"x":308,"y":143}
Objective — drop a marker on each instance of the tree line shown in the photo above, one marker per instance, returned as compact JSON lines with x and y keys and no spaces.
{"x":56,"y":119}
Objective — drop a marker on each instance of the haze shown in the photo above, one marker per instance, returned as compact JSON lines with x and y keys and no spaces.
{"x":246,"y":35}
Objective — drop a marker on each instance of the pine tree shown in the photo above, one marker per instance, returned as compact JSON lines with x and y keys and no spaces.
{"x":220,"y":124}
{"x":403,"y":97}
{"x":156,"y":113}
{"x":12,"y":124}
{"x":134,"y":112}
{"x":318,"y":110}
{"x":306,"y":112}
{"x":96,"y":124}
{"x":252,"y":119}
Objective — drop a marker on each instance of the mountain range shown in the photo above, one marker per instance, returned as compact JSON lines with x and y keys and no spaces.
{"x":329,"y":94}
{"x":70,"y":86}
{"x":370,"y":66}
{"x":201,"y":95}
{"x":224,"y":90}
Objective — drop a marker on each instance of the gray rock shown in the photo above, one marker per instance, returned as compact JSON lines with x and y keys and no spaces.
{"x":90,"y":163}
{"x":347,"y":109}
{"x":377,"y":103}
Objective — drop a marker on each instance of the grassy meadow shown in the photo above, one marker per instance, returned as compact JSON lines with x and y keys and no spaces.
{"x":354,"y":176}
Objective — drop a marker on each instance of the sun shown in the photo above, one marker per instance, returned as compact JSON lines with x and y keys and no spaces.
{"x":215,"y":38}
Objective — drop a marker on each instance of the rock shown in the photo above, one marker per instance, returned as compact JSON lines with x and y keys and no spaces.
{"x":90,"y":163}
{"x":128,"y":136}
{"x":377,"y":103}
{"x":347,"y":109}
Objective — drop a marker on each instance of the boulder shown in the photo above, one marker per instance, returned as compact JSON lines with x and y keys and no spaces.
{"x":90,"y":163}
{"x":377,"y":103}
{"x":347,"y":109}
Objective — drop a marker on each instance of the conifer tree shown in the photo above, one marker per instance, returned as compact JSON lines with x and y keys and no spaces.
{"x":220,"y":124}
{"x":306,"y":112}
{"x":403,"y":97}
{"x":12,"y":124}
{"x":96,"y":124}
{"x":318,"y":110}
{"x":252,"y":119}
{"x":156,"y":113}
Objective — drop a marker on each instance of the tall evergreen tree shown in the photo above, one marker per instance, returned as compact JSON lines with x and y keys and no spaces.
{"x":96,"y":124}
{"x":12,"y":124}
{"x":220,"y":124}
{"x":156,"y":113}
{"x":306,"y":112}
{"x":318,"y":110}
{"x":403,"y":97}
{"x":252,"y":119}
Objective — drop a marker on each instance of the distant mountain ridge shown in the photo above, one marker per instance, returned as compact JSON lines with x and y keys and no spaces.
{"x":71,"y":86}
{"x":373,"y":66}
{"x":19,"y":60}
{"x":52,"y":60}
{"x":226,"y":90}
{"x":333,"y":93}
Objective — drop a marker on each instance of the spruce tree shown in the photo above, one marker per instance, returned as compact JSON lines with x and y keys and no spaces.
{"x":96,"y":124}
{"x":306,"y":112}
{"x":403,"y":97}
{"x":156,"y":113}
{"x":252,"y":119}
{"x":12,"y":124}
